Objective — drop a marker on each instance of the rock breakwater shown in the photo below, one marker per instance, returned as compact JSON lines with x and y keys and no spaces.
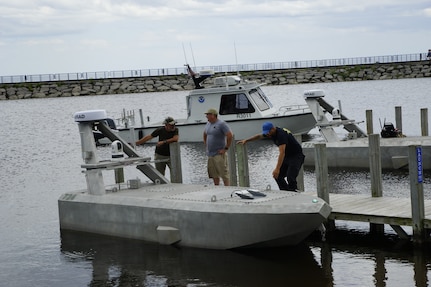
{"x":418,"y":69}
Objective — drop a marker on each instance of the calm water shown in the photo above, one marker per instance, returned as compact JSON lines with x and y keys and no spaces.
{"x":40,"y":159}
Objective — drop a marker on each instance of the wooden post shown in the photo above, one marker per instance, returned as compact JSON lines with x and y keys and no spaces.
{"x":176,"y":170}
{"x":369,"y":120}
{"x":141,"y":117}
{"x":232,"y":163}
{"x":376,"y":176}
{"x":398,"y":118}
{"x":321,"y":168}
{"x":243,"y":173}
{"x":300,"y":178}
{"x":424,"y":122}
{"x":375,"y":165}
{"x":417,"y":193}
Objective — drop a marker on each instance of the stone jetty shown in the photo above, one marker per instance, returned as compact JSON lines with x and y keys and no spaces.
{"x":77,"y":88}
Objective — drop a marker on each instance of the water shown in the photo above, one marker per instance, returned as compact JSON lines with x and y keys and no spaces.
{"x":40,"y":159}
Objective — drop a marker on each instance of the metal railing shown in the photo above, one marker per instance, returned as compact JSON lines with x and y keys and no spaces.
{"x":217,"y":69}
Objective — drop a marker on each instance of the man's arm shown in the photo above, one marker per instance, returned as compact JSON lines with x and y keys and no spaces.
{"x":255,"y":137}
{"x":144,"y":139}
{"x":173,"y":139}
{"x":229,"y":137}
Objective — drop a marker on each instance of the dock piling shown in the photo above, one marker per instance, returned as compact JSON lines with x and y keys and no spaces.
{"x":424,"y":122}
{"x":375,"y":165}
{"x":232,"y":163}
{"x":417,"y":193}
{"x":321,"y":171}
{"x":243,"y":173}
{"x":300,"y":177}
{"x":176,"y":171}
{"x":398,"y":118}
{"x":375,"y":175}
{"x":369,"y":120}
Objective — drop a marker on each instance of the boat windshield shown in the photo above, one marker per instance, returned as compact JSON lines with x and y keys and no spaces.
{"x":260,"y":99}
{"x":235,"y":104}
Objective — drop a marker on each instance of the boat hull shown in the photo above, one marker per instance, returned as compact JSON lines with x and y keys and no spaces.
{"x":300,"y":123}
{"x":195,"y":216}
{"x":355,"y":153}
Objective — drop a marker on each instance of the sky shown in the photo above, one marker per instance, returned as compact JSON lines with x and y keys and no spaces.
{"x":68,"y":36}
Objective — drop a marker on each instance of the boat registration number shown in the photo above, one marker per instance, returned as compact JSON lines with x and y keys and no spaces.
{"x":243,"y":116}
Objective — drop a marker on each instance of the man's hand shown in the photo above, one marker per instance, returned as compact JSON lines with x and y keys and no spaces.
{"x":275,"y":173}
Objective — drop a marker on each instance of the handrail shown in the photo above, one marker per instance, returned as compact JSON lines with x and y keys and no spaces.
{"x":218,"y":69}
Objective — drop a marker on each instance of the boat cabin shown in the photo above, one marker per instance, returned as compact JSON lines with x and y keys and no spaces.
{"x":234,"y":98}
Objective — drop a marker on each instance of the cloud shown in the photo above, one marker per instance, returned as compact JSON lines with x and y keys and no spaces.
{"x":39,"y":18}
{"x":133,"y":33}
{"x":427,"y":12}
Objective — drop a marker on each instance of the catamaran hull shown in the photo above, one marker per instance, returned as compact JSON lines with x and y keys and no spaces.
{"x":195,"y":216}
{"x":394,"y":153}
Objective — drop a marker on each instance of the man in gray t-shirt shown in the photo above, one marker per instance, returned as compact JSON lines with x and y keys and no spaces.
{"x":217,"y":139}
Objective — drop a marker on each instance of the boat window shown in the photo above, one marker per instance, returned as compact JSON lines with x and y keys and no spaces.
{"x":260,"y":99}
{"x":235,"y":104}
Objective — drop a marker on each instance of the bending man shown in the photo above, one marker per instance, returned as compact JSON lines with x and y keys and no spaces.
{"x":290,"y":156}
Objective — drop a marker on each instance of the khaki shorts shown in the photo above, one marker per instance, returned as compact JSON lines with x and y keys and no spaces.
{"x":217,"y":167}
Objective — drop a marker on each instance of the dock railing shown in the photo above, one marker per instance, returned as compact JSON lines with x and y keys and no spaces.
{"x":218,"y":69}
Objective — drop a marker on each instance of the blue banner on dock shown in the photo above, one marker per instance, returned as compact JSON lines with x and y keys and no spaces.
{"x":419,"y":162}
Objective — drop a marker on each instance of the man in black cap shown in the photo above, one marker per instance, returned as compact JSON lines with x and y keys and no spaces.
{"x":167,"y":134}
{"x":290,"y":157}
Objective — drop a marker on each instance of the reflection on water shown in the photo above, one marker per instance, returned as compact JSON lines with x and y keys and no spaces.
{"x":119,"y":262}
{"x":367,"y":260}
{"x":362,"y":260}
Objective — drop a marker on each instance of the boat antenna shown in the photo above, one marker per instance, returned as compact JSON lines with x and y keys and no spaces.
{"x":185,"y":56}
{"x":193,"y":56}
{"x":236,"y":59}
{"x":380,"y":121}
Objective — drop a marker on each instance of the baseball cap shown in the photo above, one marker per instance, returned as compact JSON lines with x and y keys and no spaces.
{"x":169,"y":121}
{"x":266,"y":127}
{"x":212,"y":111}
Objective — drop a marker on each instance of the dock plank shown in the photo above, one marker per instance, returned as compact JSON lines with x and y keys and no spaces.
{"x":379,"y":210}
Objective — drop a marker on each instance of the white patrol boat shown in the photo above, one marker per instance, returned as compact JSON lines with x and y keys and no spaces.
{"x":240,"y":103}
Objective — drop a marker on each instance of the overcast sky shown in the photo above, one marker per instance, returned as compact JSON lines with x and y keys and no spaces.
{"x":62,"y":36}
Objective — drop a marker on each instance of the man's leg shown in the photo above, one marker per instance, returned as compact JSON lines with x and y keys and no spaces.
{"x":223,"y":170}
{"x":216,"y":180}
{"x":282,"y":184}
{"x":294,"y":166}
{"x":160,"y":166}
{"x":212,"y":169}
{"x":292,"y":173}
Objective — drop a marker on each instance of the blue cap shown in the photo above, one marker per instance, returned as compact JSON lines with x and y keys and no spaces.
{"x":267,"y":126}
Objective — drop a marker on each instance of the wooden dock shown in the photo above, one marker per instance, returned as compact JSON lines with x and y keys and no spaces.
{"x":379,"y":210}
{"x":375,"y":208}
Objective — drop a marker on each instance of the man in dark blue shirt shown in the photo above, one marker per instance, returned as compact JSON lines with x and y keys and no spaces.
{"x":290,"y":157}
